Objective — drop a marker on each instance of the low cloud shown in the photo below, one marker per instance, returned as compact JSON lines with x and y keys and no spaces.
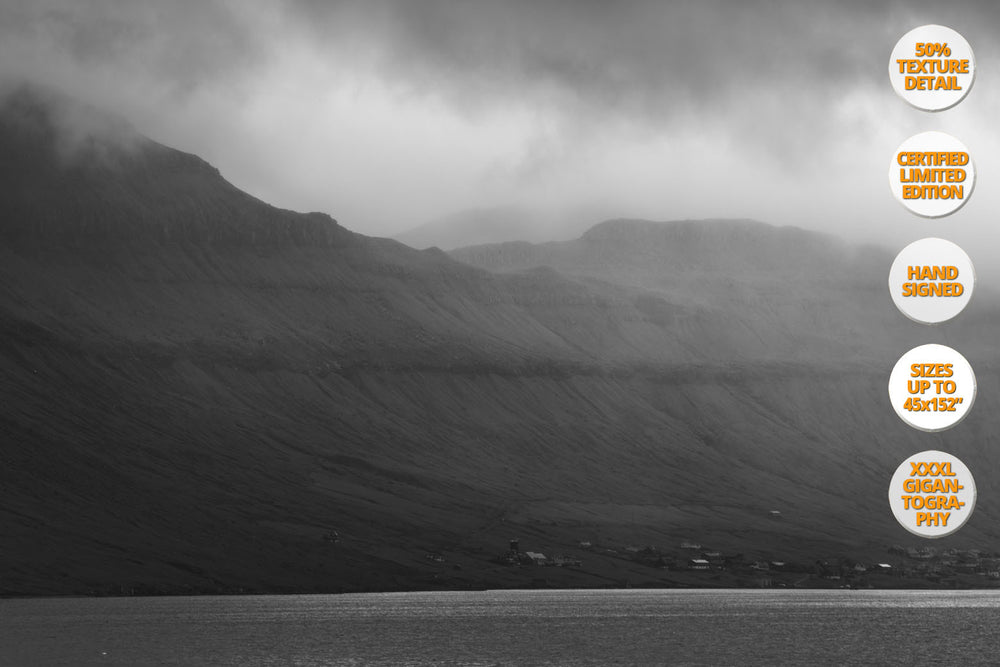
{"x":386,"y":114}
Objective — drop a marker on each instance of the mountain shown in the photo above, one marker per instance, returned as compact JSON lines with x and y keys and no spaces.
{"x":491,"y":225}
{"x":204,"y":393}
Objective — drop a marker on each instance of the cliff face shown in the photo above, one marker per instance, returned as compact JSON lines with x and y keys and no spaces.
{"x":202,"y":392}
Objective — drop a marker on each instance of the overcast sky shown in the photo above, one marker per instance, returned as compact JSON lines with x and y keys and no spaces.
{"x":387,"y":114}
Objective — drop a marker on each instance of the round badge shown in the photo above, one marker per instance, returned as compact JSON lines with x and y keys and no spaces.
{"x":932,"y":387}
{"x":931,"y":280}
{"x":932,"y":174}
{"x":932,"y":67}
{"x":932,"y":494}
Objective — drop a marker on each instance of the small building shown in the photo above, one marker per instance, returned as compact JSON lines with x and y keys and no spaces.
{"x":690,"y":545}
{"x":536,"y":558}
{"x":698,"y":564}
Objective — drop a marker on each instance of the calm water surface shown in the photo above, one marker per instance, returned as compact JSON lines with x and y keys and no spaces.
{"x":731,"y":627}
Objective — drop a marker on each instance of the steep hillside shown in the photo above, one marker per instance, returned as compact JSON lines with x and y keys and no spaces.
{"x":204,"y":393}
{"x":491,"y":225}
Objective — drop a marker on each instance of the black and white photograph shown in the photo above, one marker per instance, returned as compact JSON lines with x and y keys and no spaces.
{"x":511,"y":332}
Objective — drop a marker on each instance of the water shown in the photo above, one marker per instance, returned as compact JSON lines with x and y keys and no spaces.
{"x":680,"y":627}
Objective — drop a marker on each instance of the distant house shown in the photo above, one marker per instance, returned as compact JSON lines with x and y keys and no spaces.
{"x":698,"y":564}
{"x":585,"y":545}
{"x":883,"y":567}
{"x":536,"y":558}
{"x":774,"y":514}
{"x":690,"y":545}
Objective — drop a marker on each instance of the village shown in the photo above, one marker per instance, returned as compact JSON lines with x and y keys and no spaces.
{"x":689,"y":563}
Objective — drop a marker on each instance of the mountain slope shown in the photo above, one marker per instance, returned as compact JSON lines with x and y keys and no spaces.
{"x":490,"y":225}
{"x":199,"y":389}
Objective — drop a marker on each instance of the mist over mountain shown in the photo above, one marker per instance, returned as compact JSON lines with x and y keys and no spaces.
{"x":206,"y":393}
{"x":493,"y":225}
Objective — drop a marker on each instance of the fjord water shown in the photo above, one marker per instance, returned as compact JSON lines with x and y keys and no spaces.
{"x":681,"y":627}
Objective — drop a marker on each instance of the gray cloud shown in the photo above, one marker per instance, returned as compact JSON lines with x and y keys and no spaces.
{"x":180,"y":45}
{"x":648,"y":62}
{"x":765,"y":73}
{"x":646,"y":59}
{"x":640,"y":58}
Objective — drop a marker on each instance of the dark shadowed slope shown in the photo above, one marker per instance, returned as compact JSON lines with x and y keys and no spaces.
{"x":198,"y":388}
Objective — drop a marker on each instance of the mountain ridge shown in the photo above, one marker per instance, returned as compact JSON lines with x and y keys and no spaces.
{"x":491,"y":224}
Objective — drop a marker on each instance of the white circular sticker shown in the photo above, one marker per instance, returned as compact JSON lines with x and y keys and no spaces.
{"x":932,"y":387}
{"x":932,"y":174}
{"x":931,"y":280}
{"x":932,"y":67}
{"x":932,"y":494}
